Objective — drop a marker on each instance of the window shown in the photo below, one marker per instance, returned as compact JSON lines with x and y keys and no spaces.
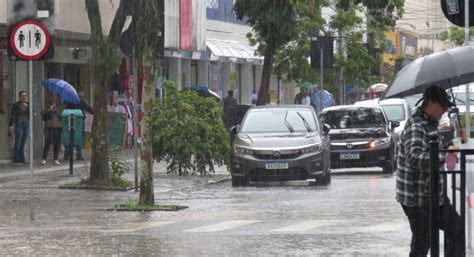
{"x":212,"y":4}
{"x":394,"y":112}
{"x":279,"y":121}
{"x":361,"y":118}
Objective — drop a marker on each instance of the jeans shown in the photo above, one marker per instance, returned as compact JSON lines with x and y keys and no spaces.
{"x":450,"y":222}
{"x":21,"y":134}
{"x":78,"y":152}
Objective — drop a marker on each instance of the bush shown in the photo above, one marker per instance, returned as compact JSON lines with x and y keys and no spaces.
{"x":119,"y":167}
{"x":188,"y":132}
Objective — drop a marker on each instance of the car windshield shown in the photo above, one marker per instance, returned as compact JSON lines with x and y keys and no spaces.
{"x":394,"y":112}
{"x":279,"y":121}
{"x":355,"y":118}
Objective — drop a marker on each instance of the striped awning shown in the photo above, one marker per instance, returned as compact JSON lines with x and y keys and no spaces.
{"x":235,"y":51}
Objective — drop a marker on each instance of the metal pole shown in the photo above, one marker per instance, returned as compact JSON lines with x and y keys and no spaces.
{"x":71,"y":143}
{"x":462,"y":200}
{"x":135,"y":118}
{"x":340,"y":72}
{"x":466,"y":42}
{"x":434,"y":191}
{"x":469,"y":225}
{"x":321,"y":88}
{"x":30,"y":138}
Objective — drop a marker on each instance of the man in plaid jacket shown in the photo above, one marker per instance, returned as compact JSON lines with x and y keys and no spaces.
{"x":413,"y":176}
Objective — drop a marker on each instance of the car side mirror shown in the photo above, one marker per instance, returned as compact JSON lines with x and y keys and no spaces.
{"x":326,"y":128}
{"x":394,"y":124}
{"x":233,"y":130}
{"x":233,"y":133}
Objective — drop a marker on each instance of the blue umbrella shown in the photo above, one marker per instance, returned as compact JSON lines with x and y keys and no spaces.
{"x":63,"y":89}
{"x":206,"y":92}
{"x":327,"y":98}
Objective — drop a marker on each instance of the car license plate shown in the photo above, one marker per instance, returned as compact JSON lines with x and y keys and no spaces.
{"x":349,"y":156}
{"x":276,"y":165}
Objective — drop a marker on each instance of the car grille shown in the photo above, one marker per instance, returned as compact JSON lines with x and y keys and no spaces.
{"x":273,"y":157}
{"x":349,"y":146}
{"x":277,"y":175}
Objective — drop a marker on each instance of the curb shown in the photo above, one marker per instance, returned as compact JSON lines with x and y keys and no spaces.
{"x":222,"y":180}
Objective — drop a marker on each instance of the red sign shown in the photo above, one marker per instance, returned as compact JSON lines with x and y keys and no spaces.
{"x":29,"y":40}
{"x":186,"y":24}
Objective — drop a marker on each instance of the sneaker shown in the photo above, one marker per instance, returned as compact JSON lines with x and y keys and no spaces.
{"x":56,"y":162}
{"x":43,"y":162}
{"x":79,"y":159}
{"x":18,"y":163}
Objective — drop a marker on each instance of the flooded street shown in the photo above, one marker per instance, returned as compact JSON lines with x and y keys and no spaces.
{"x":356,"y":215}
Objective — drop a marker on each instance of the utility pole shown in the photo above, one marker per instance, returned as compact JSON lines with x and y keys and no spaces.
{"x":340,"y":71}
{"x":468,"y":113}
{"x":466,"y":43}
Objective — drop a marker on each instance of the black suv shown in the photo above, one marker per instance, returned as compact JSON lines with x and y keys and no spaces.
{"x":360,"y":137}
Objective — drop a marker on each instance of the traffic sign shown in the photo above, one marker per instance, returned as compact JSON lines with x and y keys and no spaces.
{"x":29,"y":40}
{"x":453,"y":10}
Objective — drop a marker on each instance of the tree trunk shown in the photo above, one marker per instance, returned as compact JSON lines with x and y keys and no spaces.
{"x":99,"y":161}
{"x":147,"y":195}
{"x":100,"y":155}
{"x":263,"y":92}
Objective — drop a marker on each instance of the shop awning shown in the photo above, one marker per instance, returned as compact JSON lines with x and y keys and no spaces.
{"x":232,"y":51}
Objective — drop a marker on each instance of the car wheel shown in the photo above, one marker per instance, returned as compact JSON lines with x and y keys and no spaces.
{"x":238,"y":181}
{"x":325,"y":179}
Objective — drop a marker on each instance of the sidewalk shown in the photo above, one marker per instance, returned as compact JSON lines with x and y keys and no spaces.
{"x":80,"y":167}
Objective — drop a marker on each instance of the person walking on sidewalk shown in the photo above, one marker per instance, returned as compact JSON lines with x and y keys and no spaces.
{"x":53,"y":127}
{"x":19,"y":126}
{"x":413,"y":176}
{"x":229,"y":105}
{"x":84,"y":107}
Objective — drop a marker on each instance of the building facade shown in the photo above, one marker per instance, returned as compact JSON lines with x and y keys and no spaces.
{"x":204,"y":44}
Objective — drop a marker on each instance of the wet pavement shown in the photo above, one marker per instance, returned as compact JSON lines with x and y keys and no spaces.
{"x":356,"y":215}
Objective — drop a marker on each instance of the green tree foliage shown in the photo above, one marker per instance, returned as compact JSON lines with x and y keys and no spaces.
{"x":290,"y":32}
{"x":274,"y":25}
{"x":356,"y":61}
{"x":454,"y":34}
{"x":188,"y":132}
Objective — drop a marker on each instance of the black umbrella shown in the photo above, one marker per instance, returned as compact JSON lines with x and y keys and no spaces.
{"x":446,"y":68}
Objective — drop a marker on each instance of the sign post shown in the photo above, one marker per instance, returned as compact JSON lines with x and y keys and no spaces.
{"x":30,"y":40}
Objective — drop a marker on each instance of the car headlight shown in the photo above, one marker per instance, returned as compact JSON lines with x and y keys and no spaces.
{"x":311,"y":149}
{"x":379,"y":142}
{"x":241,"y":150}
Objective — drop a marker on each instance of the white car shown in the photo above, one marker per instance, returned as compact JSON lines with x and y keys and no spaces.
{"x":397,"y":109}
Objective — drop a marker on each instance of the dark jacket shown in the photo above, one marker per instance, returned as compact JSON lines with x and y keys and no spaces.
{"x":83,"y":106}
{"x":15,"y":114}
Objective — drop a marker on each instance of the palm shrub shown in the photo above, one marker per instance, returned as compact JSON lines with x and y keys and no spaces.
{"x":188,"y":132}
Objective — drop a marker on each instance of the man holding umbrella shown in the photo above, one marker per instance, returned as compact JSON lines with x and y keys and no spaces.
{"x":413,"y":176}
{"x":59,"y":89}
{"x":53,"y":128}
